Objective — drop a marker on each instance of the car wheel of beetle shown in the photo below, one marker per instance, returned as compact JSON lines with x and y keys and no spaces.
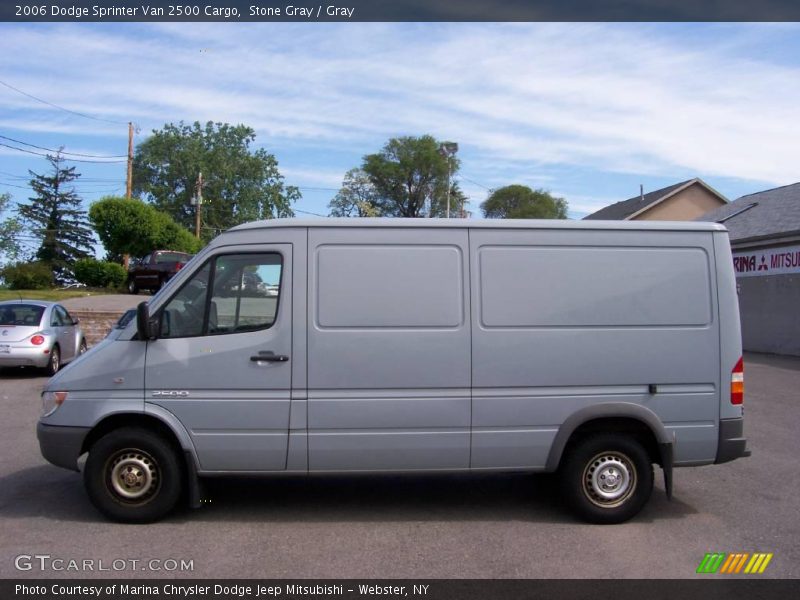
{"x":133,"y":475}
{"x":82,"y":348}
{"x":54,"y":364}
{"x":132,"y":287}
{"x":607,"y":478}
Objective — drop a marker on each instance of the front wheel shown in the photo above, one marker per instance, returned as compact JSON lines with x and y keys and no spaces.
{"x":133,"y":475}
{"x":607,"y":478}
{"x":132,"y":287}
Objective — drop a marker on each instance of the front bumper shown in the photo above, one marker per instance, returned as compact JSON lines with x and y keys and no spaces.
{"x":732,"y":443}
{"x":61,"y":445}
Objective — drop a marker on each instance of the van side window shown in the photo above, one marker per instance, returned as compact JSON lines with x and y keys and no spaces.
{"x":245,"y":293}
{"x":230,"y":294}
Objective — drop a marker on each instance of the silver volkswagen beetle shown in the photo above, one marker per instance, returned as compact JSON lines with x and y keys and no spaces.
{"x":38,"y":334}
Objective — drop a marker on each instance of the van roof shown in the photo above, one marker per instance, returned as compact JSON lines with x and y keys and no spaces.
{"x":485,"y":224}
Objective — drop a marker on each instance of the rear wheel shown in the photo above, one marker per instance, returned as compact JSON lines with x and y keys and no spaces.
{"x":83,"y":347}
{"x":607,"y":478}
{"x":54,"y":364}
{"x":132,"y":287}
{"x":133,"y":475}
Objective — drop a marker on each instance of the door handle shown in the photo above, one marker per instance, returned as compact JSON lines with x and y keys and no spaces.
{"x":269,"y":356}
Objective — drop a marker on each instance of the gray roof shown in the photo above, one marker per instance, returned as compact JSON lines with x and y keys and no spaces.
{"x":423,"y":223}
{"x":622,"y":210}
{"x":772,"y":213}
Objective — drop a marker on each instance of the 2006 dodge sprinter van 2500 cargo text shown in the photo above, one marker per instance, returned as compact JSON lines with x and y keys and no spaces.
{"x":595,"y":349}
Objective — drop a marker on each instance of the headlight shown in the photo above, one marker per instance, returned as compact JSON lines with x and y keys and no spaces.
{"x":51,"y":401}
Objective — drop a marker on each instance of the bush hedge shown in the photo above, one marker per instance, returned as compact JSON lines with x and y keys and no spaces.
{"x":97,"y":273}
{"x":28,"y":276}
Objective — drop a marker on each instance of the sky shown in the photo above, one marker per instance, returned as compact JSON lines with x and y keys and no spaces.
{"x":586,"y":111}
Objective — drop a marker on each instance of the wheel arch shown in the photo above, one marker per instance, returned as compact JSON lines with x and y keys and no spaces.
{"x":165,"y":425}
{"x":612,"y":417}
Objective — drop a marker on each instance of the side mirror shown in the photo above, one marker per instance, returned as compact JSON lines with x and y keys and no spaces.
{"x":76,"y":321}
{"x":146,"y":326}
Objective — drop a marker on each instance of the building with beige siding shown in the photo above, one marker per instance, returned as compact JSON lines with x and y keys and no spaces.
{"x":684,"y":201}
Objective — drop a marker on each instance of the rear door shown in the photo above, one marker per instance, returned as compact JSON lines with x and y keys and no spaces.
{"x":140,"y":271}
{"x":223,"y":362}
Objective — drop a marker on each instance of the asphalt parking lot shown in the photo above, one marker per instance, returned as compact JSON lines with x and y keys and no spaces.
{"x":501,"y":526}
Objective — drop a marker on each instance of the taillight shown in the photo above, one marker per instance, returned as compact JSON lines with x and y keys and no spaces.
{"x":179,"y":266}
{"x":737,"y":383}
{"x":37,"y":340}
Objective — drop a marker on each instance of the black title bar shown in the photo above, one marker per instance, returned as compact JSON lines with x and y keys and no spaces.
{"x":398,"y":10}
{"x":708,"y":588}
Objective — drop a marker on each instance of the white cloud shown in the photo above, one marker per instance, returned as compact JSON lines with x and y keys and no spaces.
{"x":643,"y":100}
{"x":329,"y":179}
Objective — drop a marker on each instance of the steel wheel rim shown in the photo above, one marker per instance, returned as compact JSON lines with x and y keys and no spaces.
{"x":133,"y":476}
{"x":609,"y":479}
{"x":55,"y":360}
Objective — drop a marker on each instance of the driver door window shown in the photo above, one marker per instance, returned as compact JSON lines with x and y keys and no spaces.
{"x":244,"y":293}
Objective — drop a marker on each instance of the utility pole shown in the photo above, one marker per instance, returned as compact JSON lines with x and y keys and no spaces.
{"x":129,"y":183}
{"x":198,"y":201}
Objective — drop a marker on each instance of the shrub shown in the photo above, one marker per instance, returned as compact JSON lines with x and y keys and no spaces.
{"x":28,"y":276}
{"x":97,"y":273}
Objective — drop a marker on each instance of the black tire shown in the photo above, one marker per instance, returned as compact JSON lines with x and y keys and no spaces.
{"x":147,"y":471}
{"x":600,"y":458}
{"x":82,"y":347}
{"x":54,"y":364}
{"x":132,"y":287}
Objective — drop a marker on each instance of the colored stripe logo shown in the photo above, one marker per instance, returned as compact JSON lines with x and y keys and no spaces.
{"x":734,"y":562}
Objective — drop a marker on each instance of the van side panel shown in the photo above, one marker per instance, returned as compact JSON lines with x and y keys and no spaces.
{"x":388,"y":349}
{"x":563,"y":320}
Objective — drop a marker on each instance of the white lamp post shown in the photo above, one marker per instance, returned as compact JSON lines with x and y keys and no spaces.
{"x":448,"y":150}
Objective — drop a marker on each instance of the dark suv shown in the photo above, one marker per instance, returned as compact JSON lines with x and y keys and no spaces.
{"x":152,"y":271}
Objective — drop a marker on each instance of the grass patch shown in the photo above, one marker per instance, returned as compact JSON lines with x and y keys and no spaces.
{"x":55,"y":295}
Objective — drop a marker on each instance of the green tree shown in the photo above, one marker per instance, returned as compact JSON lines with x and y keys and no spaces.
{"x":130,"y":226}
{"x":357,"y":197}
{"x":521,"y":202}
{"x":56,"y":217}
{"x":10,"y":228}
{"x":240,"y":184}
{"x":410,"y":175}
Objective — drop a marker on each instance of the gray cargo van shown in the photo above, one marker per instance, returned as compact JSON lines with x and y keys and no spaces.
{"x":595,"y":349}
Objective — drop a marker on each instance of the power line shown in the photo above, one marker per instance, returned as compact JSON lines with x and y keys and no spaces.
{"x":63,"y":151}
{"x":100,"y":162}
{"x":85,"y":116}
{"x":316,"y":189}
{"x":475,"y":182}
{"x":305,"y":212}
{"x":98,"y":180}
{"x":82,"y":191}
{"x":22,"y":187}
